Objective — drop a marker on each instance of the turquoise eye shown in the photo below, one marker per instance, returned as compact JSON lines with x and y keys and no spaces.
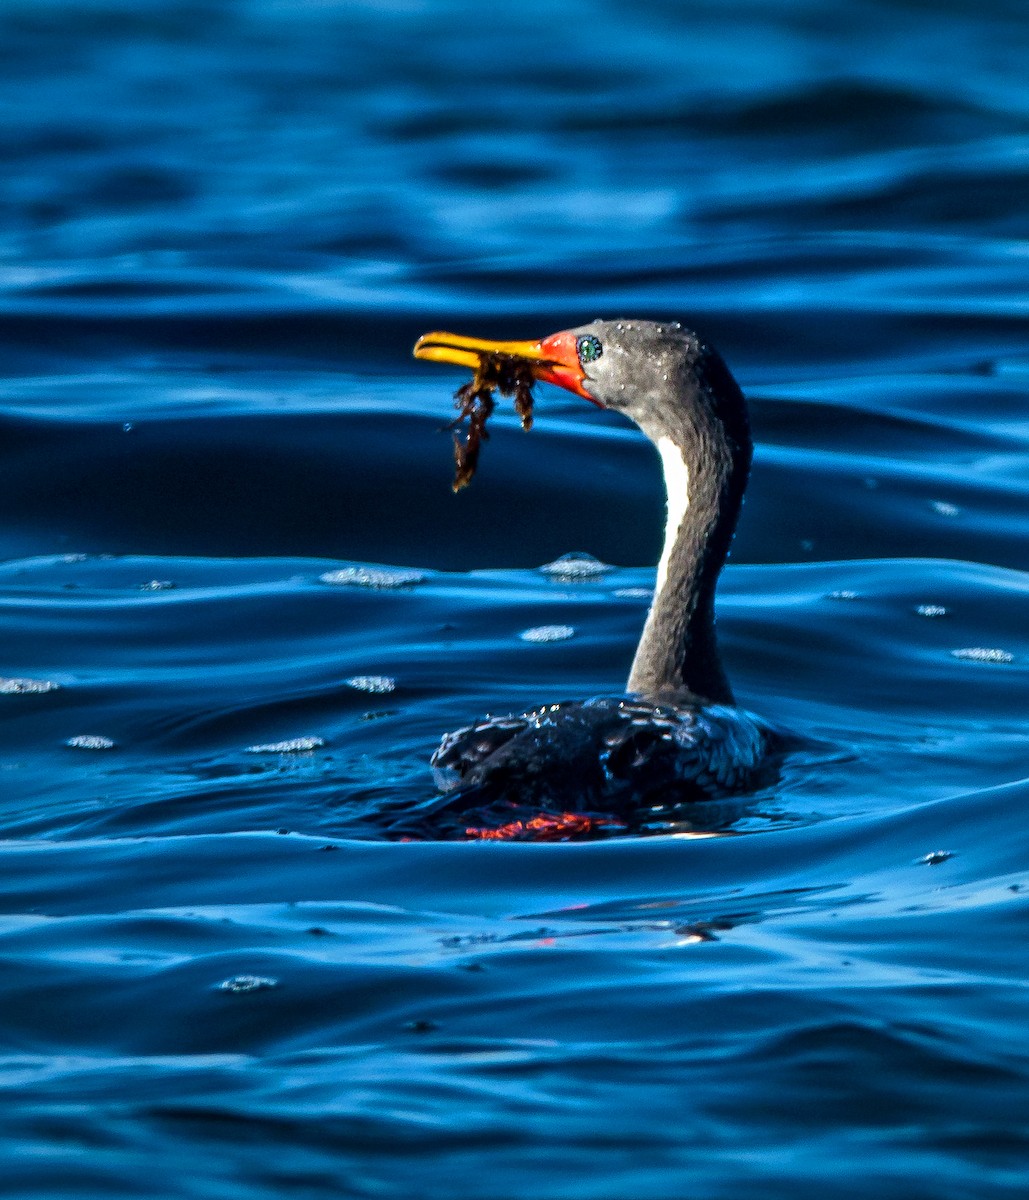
{"x":589,"y":348}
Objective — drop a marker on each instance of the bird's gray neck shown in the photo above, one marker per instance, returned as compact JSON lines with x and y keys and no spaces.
{"x":677,"y":657}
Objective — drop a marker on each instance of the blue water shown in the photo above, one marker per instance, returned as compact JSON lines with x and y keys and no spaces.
{"x":223,"y":226}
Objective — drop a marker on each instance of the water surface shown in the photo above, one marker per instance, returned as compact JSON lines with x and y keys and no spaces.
{"x":223,"y":227}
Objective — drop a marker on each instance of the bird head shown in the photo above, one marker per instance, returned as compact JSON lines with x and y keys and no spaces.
{"x":655,"y":373}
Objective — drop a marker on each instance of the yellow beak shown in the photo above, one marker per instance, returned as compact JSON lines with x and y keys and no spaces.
{"x":468,"y":351}
{"x":553,"y":359}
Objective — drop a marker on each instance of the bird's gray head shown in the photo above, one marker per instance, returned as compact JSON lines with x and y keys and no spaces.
{"x":662,"y":376}
{"x":659,"y":374}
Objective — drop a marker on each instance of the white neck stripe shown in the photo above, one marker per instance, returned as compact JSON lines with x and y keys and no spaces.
{"x":677,"y":487}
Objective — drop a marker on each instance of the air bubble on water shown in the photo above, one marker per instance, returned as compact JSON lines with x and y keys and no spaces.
{"x":22,"y":687}
{"x":575,"y":567}
{"x":379,"y":684}
{"x":983,"y":654}
{"x":547,"y":633}
{"x":634,"y":593}
{"x":127,"y":427}
{"x":90,"y":741}
{"x":73,"y":558}
{"x":935,"y":857}
{"x":931,"y":610}
{"x":843,"y":594}
{"x":807,"y":545}
{"x":944,"y":508}
{"x":241,"y":985}
{"x":381,"y":578}
{"x":156,"y":585}
{"x":297,"y":745}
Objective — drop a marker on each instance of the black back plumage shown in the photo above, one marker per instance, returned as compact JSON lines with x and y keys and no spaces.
{"x":611,"y":753}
